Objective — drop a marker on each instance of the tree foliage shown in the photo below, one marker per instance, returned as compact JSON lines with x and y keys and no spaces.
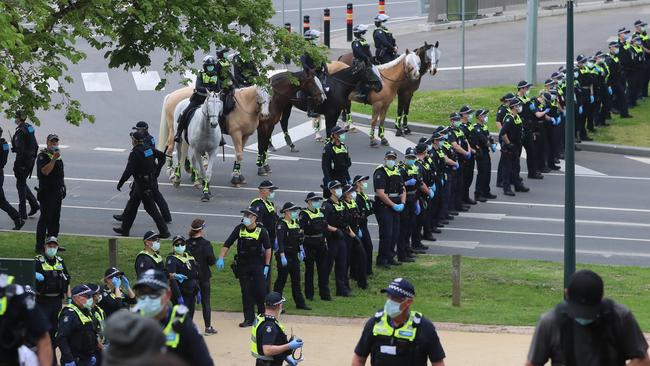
{"x":40,"y":39}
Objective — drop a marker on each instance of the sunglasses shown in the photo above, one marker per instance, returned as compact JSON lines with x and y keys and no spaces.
{"x":179,"y":244}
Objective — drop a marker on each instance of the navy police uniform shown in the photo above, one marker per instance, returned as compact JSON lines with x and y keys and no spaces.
{"x":50,"y":194}
{"x":25,"y":146}
{"x":314,"y":226}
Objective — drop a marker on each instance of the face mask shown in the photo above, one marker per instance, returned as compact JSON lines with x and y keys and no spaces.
{"x":342,"y":137}
{"x":354,"y":195}
{"x":392,"y":308}
{"x":294,"y":215}
{"x":410,"y":162}
{"x":155,"y":246}
{"x":519,"y":109}
{"x":210,"y":68}
{"x":149,"y":306}
{"x":615,"y":51}
{"x":430,"y":147}
{"x":338,"y":192}
{"x":576,"y":74}
{"x":485,"y":119}
{"x":247,"y":221}
{"x":583,"y":321}
{"x":457,"y":124}
{"x":51,"y":252}
{"x":638,"y":42}
{"x":89,"y":303}
{"x":271,"y":195}
{"x":390,"y":163}
{"x":590,"y":64}
{"x":470,"y":117}
{"x":179,"y":249}
{"x":527,"y":92}
{"x":315,"y":204}
{"x":54,"y":148}
{"x":365,"y":185}
{"x":627,"y":38}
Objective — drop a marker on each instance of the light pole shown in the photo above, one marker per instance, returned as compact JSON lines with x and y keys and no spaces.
{"x":300,"y":14}
{"x":462,"y":46}
{"x":531,"y":44}
{"x":569,"y":156}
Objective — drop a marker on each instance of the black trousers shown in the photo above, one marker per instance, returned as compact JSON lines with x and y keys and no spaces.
{"x":51,"y":309}
{"x":48,"y":221}
{"x":511,"y":168}
{"x":388,"y":221}
{"x":144,"y":195}
{"x":357,"y":262}
{"x":581,"y":118}
{"x":367,"y":246}
{"x":458,"y":187}
{"x":206,"y":308}
{"x":158,"y":198}
{"x":406,"y":229}
{"x":590,"y":111}
{"x":484,"y":167}
{"x":450,"y":193}
{"x":4,"y":205}
{"x":253,"y":289}
{"x":190,"y":303}
{"x":291,"y":270}
{"x":619,"y":99}
{"x":633,"y":86}
{"x":468,"y":176}
{"x":337,"y":259}
{"x":316,"y":256}
{"x":24,"y":193}
{"x":539,"y":147}
{"x":531,"y":154}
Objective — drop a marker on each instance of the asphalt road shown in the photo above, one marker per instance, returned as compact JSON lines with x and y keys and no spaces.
{"x":613,"y":215}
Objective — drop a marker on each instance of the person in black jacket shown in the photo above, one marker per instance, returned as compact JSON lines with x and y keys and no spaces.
{"x":25,"y":146}
{"x":385,"y":46}
{"x":183,"y":269}
{"x":51,"y":191}
{"x":76,"y":336}
{"x":315,"y":227}
{"x":365,"y":205}
{"x":116,"y":293}
{"x":202,"y":251}
{"x":4,"y":205}
{"x":335,"y":161}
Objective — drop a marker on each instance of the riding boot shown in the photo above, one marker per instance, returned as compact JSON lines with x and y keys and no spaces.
{"x":310,"y":109}
{"x":179,"y":131}
{"x":361,"y":93}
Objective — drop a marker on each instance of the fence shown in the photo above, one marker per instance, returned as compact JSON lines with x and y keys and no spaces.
{"x":444,"y":10}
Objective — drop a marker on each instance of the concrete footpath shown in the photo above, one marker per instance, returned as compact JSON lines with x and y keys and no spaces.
{"x":331,"y":341}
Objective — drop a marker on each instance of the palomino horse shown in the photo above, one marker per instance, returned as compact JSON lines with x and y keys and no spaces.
{"x":251,"y":103}
{"x":284,"y":90}
{"x":203,"y":136}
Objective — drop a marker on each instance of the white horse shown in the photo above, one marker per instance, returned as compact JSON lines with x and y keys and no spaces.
{"x":203,"y":136}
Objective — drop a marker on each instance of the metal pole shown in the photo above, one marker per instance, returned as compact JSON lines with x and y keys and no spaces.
{"x":531,"y":42}
{"x":455,"y":280}
{"x":569,"y":156}
{"x":283,"y":20}
{"x":300,"y":18}
{"x":326,"y":27}
{"x":462,"y":45}
{"x":348,"y":21}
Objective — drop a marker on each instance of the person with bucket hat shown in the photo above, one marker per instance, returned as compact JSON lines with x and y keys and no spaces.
{"x":315,"y":228}
{"x":76,"y":336}
{"x":588,"y":329}
{"x":398,"y":335}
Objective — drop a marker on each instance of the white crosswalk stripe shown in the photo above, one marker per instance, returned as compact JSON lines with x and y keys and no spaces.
{"x":297,"y":133}
{"x":639,"y":159}
{"x":96,"y":81}
{"x":147,"y":80}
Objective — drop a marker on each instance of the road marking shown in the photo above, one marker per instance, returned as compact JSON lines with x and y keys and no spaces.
{"x":146,"y":80}
{"x":482,"y":216}
{"x":500,"y":217}
{"x":499,"y":66}
{"x":639,"y":159}
{"x":96,"y":81}
{"x":454,"y":244}
{"x":580,"y":169}
{"x":554,"y":205}
{"x":529,"y":233}
{"x":395,"y":142}
{"x":109,"y":149}
{"x":297,"y":133}
{"x":60,"y":146}
{"x":560,"y":250}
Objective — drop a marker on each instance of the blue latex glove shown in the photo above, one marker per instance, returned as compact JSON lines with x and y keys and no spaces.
{"x":591,"y":99}
{"x":444,"y":182}
{"x":198,"y":297}
{"x":266,"y":272}
{"x":455,"y":166}
{"x":468,"y":155}
{"x":609,"y":90}
{"x":418,"y":210}
{"x":125,"y":283}
{"x":359,"y":234}
{"x":398,"y":207}
{"x":493,"y":147}
{"x":410,"y":182}
{"x":547,"y":110}
{"x":432,"y":191}
{"x":580,"y":110}
{"x":275,"y":245}
{"x":295,"y":344}
{"x":283,"y":260}
{"x":220,"y":264}
{"x":117,"y":283}
{"x":70,"y":364}
{"x":39,"y":277}
{"x":301,"y":255}
{"x":531,"y":106}
{"x":558,"y":120}
{"x":292,"y":361}
{"x":93,"y":361}
{"x":180,"y":277}
{"x":181,"y":300}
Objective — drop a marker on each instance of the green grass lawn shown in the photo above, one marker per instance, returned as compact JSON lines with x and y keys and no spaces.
{"x":506,"y":292}
{"x":434,"y":107}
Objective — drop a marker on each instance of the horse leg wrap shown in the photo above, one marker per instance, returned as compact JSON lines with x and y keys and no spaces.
{"x":381,"y":131}
{"x":398,"y":122}
{"x":206,"y":186}
{"x":348,"y":118}
{"x":236,"y":168}
{"x":405,"y":120}
{"x":287,"y":139}
{"x":372,"y":133}
{"x":177,"y":171}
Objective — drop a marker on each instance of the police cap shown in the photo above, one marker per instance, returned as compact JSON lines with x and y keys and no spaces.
{"x":252,"y":210}
{"x":83,"y":290}
{"x":623,"y":31}
{"x":137,"y":136}
{"x":267,"y":184}
{"x":410,"y":152}
{"x":482,"y":112}
{"x":400,"y":287}
{"x":640,"y":23}
{"x":514,"y":102}
{"x":390,"y":153}
{"x":465,"y":110}
{"x":154,"y":279}
{"x":548,"y":82}
{"x":348,"y":188}
{"x":359,"y":178}
{"x":333,"y":184}
{"x":337,"y":130}
{"x":150,"y":235}
{"x":52,"y":137}
{"x":420,"y":148}
{"x":454,"y":116}
{"x":273,"y":299}
{"x":507,"y":97}
{"x":311,"y":196}
{"x":112,"y":272}
{"x":289,"y":206}
{"x":141,"y":125}
{"x":178,"y":239}
{"x":523,"y":84}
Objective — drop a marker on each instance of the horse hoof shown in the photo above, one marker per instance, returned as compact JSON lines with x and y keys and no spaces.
{"x":267,"y":168}
{"x":242,"y":180}
{"x":384,"y":141}
{"x":262,"y":172}
{"x":176,"y":183}
{"x":294,"y":149}
{"x":235,"y":181}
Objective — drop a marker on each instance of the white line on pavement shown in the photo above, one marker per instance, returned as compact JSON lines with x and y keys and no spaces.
{"x":396,"y":143}
{"x":580,"y":169}
{"x":60,"y":146}
{"x":499,"y":66}
{"x":96,"y":81}
{"x":554,"y":205}
{"x":297,"y":133}
{"x":146,"y":80}
{"x":499,"y":217}
{"x":109,"y":149}
{"x":639,"y":159}
{"x":611,"y":238}
{"x":605,"y":254}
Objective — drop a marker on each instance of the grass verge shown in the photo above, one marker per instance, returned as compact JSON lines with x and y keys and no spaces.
{"x":494,"y":291}
{"x":433,"y":107}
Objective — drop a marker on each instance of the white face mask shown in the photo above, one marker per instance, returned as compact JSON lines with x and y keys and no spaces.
{"x":519,"y":109}
{"x":485,"y":119}
{"x":155,"y":246}
{"x":354,"y":195}
{"x":179,"y":249}
{"x":392,"y":308}
{"x":149,"y":305}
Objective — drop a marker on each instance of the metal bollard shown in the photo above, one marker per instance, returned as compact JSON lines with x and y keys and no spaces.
{"x":348,"y":20}
{"x":305,"y":23}
{"x":112,"y":252}
{"x":326,"y":27}
{"x":455,"y":280}
{"x":382,"y":6}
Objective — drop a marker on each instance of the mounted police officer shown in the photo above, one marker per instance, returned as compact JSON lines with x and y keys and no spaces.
{"x":397,"y":335}
{"x":52,"y":282}
{"x":182,"y":337}
{"x":252,"y":262}
{"x":310,"y":68}
{"x":270,"y":344}
{"x":4,"y":205}
{"x":144,"y":169}
{"x":25,"y":146}
{"x":361,"y":53}
{"x":184,"y":270}
{"x":335,"y":161}
{"x":51,"y":191}
{"x":76,"y":336}
{"x":385,"y":46}
{"x":290,"y":253}
{"x":243,"y":71}
{"x":335,"y":213}
{"x":315,"y":228}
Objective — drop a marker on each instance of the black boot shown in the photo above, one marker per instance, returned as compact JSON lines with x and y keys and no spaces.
{"x":179,"y":134}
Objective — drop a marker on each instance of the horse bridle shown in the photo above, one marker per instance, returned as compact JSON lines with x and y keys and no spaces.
{"x":397,"y":81}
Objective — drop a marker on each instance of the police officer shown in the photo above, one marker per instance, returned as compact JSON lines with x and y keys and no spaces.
{"x":142,"y":166}
{"x":385,"y":46}
{"x":25,"y":146}
{"x":51,"y":190}
{"x":510,"y":137}
{"x":356,"y":250}
{"x":390,"y":198}
{"x":501,"y":113}
{"x":414,"y":186}
{"x":182,"y":337}
{"x":150,"y":141}
{"x":243,"y":71}
{"x":265,"y":208}
{"x":4,"y":205}
{"x":485,"y":144}
{"x":76,"y":335}
{"x":116,"y":293}
{"x":184,"y":270}
{"x":335,"y":213}
{"x":270,"y":344}
{"x":528,"y":122}
{"x":640,"y":30}
{"x":149,"y":258}
{"x":429,"y":202}
{"x":99,"y":320}
{"x":365,"y":205}
{"x":444,"y":150}
{"x":628,"y":64}
{"x":309,"y":67}
{"x":466,"y":115}
{"x":290,"y":253}
{"x":458,"y":141}
{"x":541,"y":118}
{"x":253,"y":262}
{"x":617,"y":80}
{"x":396,"y":335}
{"x":201,"y":249}
{"x":315,"y":228}
{"x":361,"y":53}
{"x":21,"y":320}
{"x":335,"y":160}
{"x":52,"y":282}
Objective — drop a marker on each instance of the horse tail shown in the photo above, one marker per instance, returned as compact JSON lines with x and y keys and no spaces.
{"x":163,"y":132}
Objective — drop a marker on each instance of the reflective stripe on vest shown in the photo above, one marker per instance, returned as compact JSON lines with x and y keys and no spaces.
{"x":407,"y":331}
{"x":516,"y":118}
{"x":351,"y":205}
{"x":269,"y":205}
{"x":313,"y":215}
{"x":254,"y":349}
{"x":255,"y":235}
{"x":339,"y":149}
{"x":157,"y":258}
{"x":58,"y":266}
{"x":186,"y":257}
{"x":85,"y":319}
{"x":207,"y":79}
{"x":172,"y":339}
{"x":3,"y":300}
{"x":292,"y":224}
